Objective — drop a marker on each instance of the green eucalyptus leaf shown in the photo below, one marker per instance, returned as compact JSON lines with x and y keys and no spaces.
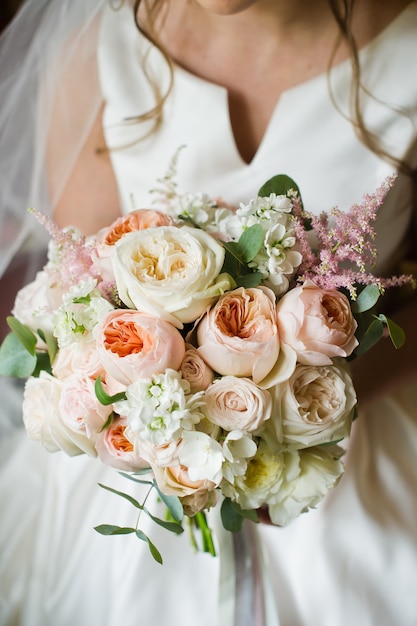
{"x":123,"y":495}
{"x":250,"y":242}
{"x":372,"y":335}
{"x":146,"y":470}
{"x":232,"y":518}
{"x":152,"y":548}
{"x":367,"y":298}
{"x":253,"y":279}
{"x":15,"y":360}
{"x":396,"y":333}
{"x":24,"y":334}
{"x":104,"y":397}
{"x":280,"y":184}
{"x":43,"y":363}
{"x":172,"y":503}
{"x":173,"y":527}
{"x":109,"y":529}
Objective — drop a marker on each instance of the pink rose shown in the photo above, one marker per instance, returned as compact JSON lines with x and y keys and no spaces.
{"x":106,"y":238}
{"x":195,"y":370}
{"x":114,"y":449}
{"x":317,"y":323}
{"x":134,"y":345}
{"x":237,"y":404}
{"x":79,"y":407}
{"x":239,"y":336}
{"x":42,"y":417}
{"x":78,"y":356}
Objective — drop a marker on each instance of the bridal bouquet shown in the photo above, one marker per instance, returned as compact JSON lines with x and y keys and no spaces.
{"x":204,"y":346}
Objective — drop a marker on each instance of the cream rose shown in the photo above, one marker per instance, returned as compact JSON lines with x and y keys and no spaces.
{"x":170,"y":272}
{"x":114,"y":449}
{"x":195,"y":370}
{"x":175,"y":481}
{"x":315,"y":406}
{"x":239,"y":335}
{"x":43,"y":421}
{"x":320,"y":469}
{"x":317,"y":323}
{"x":265,"y":474}
{"x":133,"y":345}
{"x":237,"y":404}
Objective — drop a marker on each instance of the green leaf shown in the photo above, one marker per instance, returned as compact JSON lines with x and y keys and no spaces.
{"x":109,"y":529}
{"x":396,"y":333}
{"x":108,"y":423}
{"x":231,"y":517}
{"x":26,"y":337}
{"x":367,"y":298}
{"x":152,"y":548}
{"x":43,"y":363}
{"x":123,"y":495}
{"x":250,"y":242}
{"x":253,"y":279}
{"x":172,"y":503}
{"x":372,"y":335}
{"x":280,"y":185}
{"x":248,"y":245}
{"x":51,"y":344}
{"x":104,"y":397}
{"x":138,"y":473}
{"x":15,"y":360}
{"x":173,"y":527}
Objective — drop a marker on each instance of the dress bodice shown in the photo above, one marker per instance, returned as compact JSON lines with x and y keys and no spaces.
{"x":307,"y":138}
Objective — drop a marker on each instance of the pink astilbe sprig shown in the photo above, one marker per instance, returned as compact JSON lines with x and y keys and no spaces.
{"x":71,"y":259}
{"x":338,"y":247}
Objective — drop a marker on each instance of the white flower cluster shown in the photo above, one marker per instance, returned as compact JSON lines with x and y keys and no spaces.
{"x":277,"y":259}
{"x":81,"y":310}
{"x":208,"y":215}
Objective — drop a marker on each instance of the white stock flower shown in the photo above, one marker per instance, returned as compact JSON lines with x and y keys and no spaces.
{"x":202,"y":456}
{"x":277,"y":259}
{"x":158,"y":409}
{"x":81,"y":310}
{"x":237,"y":449}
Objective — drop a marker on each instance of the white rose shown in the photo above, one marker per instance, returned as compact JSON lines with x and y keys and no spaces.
{"x":264,"y":477}
{"x":35,"y":303}
{"x":320,"y":469}
{"x":170,"y":272}
{"x":42,"y":418}
{"x":314,"y":406}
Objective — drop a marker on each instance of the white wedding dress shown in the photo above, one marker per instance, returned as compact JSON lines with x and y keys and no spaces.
{"x":351,"y":561}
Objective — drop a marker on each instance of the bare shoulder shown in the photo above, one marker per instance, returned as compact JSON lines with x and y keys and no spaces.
{"x":90,"y":199}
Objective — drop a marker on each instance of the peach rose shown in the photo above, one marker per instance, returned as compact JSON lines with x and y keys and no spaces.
{"x":106,"y":238}
{"x":175,"y":481}
{"x":317,"y":323}
{"x":195,"y":370}
{"x":239,"y":335}
{"x":237,"y":404}
{"x":114,"y":449}
{"x":134,"y":345}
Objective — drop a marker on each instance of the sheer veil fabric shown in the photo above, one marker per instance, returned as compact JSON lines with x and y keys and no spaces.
{"x":47,"y":71}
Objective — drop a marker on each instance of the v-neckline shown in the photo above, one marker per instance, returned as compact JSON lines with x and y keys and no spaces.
{"x":290,"y":92}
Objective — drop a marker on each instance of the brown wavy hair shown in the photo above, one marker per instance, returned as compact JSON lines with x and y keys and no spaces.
{"x":342,"y":11}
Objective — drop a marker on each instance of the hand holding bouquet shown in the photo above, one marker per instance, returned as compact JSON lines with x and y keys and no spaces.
{"x":205,"y":346}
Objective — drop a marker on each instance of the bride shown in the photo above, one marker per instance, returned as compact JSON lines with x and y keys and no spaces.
{"x":98,"y":97}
